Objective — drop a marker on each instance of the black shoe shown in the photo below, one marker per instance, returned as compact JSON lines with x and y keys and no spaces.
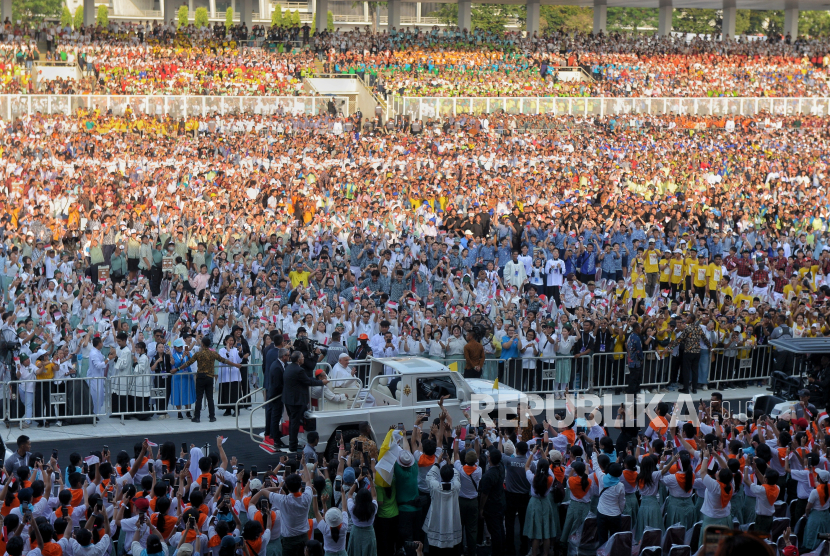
{"x":181,"y":417}
{"x":40,"y":425}
{"x":47,"y":424}
{"x":227,"y":413}
{"x":682,"y":391}
{"x":694,"y":390}
{"x":279,"y":443}
{"x":212,"y":419}
{"x":188,"y":415}
{"x":195,"y":420}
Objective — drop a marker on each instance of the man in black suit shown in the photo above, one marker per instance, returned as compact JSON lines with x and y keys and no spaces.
{"x":276,"y":373}
{"x":295,"y":395}
{"x":583,"y":350}
{"x":269,"y":355}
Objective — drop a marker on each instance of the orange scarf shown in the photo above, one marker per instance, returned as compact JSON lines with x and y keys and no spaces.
{"x":214,"y":541}
{"x":691,"y":442}
{"x":77,"y":497}
{"x":772,"y":493}
{"x":570,"y":434}
{"x":470,"y":469}
{"x":559,"y":473}
{"x":575,"y":484}
{"x":258,"y":517}
{"x":659,"y":425}
{"x":254,"y":546}
{"x":681,"y":481}
{"x":51,"y":549}
{"x":823,"y":493}
{"x":725,"y":497}
{"x":630,"y":476}
{"x":426,"y":461}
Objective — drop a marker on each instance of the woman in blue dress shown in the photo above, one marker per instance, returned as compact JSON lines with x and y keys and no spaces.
{"x":184,"y":383}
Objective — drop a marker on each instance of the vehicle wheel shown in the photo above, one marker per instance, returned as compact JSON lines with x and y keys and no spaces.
{"x":331,"y":446}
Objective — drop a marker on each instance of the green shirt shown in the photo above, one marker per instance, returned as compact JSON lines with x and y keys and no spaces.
{"x":406,"y":484}
{"x":387,"y":507}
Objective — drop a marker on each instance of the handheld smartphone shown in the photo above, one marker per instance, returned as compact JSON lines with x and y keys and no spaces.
{"x":263,"y":503}
{"x":226,"y":499}
{"x":429,"y":411}
{"x":164,"y":470}
{"x":338,"y":436}
{"x":192,"y":521}
{"x":213,"y":490}
{"x":86,"y":468}
{"x":253,"y":471}
{"x":366,"y":458}
{"x":179,"y":467}
{"x":240,"y":466}
{"x":400,"y":426}
{"x":100,"y":505}
{"x":54,"y":454}
{"x":184,"y":447}
{"x":204,"y":483}
{"x":358,"y":446}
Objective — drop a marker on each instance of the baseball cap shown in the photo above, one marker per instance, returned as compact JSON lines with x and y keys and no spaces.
{"x":363,"y":337}
{"x":255,"y":484}
{"x":556,"y":455}
{"x":185,"y":550}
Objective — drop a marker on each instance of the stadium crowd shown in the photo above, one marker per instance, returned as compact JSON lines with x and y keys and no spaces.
{"x":542,"y":488}
{"x":136,"y":238}
{"x":159,"y":59}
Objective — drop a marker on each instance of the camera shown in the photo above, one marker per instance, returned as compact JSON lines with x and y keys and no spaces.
{"x":307,"y":345}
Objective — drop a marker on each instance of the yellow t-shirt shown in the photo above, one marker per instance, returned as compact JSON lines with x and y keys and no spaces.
{"x":652,"y":260}
{"x":714,"y":273}
{"x":676,"y":268}
{"x":698,"y":273}
{"x":298,"y":278}
{"x":665,"y":272}
{"x":740,"y":298}
{"x":790,"y":292}
{"x":638,"y":283}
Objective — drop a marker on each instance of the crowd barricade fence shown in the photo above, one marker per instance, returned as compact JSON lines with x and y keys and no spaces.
{"x":67,"y":400}
{"x":70,"y":400}
{"x":422,"y":108}
{"x":13,"y":107}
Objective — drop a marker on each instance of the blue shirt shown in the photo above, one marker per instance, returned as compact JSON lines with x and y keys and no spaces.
{"x":513,"y":351}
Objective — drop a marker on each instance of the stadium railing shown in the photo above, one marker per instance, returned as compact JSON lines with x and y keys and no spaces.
{"x":429,"y":107}
{"x":16,"y":106}
{"x":69,"y":399}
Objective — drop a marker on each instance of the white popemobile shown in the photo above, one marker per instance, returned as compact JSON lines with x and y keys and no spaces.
{"x":397,"y":390}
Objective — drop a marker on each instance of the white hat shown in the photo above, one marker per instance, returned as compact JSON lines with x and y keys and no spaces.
{"x":823,"y":475}
{"x":334,"y":518}
{"x":342,"y":355}
{"x":509,"y":448}
{"x":255,"y":484}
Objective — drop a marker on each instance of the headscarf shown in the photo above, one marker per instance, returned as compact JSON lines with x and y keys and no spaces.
{"x":195,"y":455}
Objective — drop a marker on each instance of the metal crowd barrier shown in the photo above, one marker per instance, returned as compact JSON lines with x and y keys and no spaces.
{"x":606,"y":371}
{"x":68,"y":400}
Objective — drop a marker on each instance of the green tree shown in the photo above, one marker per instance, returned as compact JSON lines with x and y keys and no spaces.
{"x":229,"y":17}
{"x":66,"y":17}
{"x":200,"y":18}
{"x":276,"y":16}
{"x":696,"y":20}
{"x":35,"y":11}
{"x":78,"y":18}
{"x":182,"y":16}
{"x":632,"y":19}
{"x":566,"y":18}
{"x":490,"y":17}
{"x":814,"y":23}
{"x":103,"y":17}
{"x":330,"y":21}
{"x":741,"y":22}
{"x":295,"y":18}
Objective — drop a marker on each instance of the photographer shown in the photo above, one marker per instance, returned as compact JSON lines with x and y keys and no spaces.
{"x":312,"y":353}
